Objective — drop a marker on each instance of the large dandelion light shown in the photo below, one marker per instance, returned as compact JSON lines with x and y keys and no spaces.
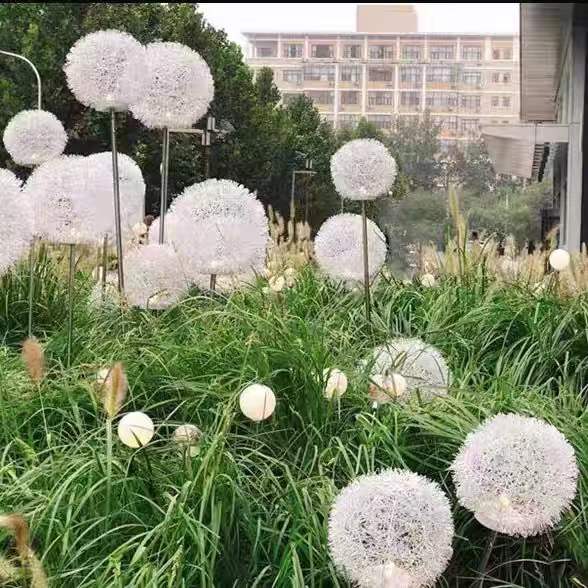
{"x":363,"y":169}
{"x":106,"y":70}
{"x":132,"y":192}
{"x":34,"y":136}
{"x":179,"y":87}
{"x":338,"y":247}
{"x":517,"y":474}
{"x":153,"y":277}
{"x":16,"y":219}
{"x":217,"y":227}
{"x":392,"y":529}
{"x":422,"y":366}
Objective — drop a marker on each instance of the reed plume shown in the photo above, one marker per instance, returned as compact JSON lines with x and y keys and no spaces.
{"x":34,"y":359}
{"x":114,"y":390}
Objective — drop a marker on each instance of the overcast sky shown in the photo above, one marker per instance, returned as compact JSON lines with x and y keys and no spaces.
{"x":433,"y":18}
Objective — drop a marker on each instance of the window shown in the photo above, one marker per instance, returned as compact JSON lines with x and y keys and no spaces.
{"x":293,"y":50}
{"x":472,"y":52}
{"x":412,"y":99}
{"x":323,"y":98}
{"x":441,"y":101}
{"x":351,"y":73}
{"x":412,"y":75}
{"x":469,"y":126}
{"x":446,"y":123}
{"x":381,"y":99}
{"x":322,"y":51}
{"x":381,"y":121}
{"x":292,"y":76}
{"x":502,"y":53}
{"x":507,"y":54}
{"x":349,"y":97}
{"x":472,"y":78}
{"x":411,"y":52}
{"x":381,"y":52}
{"x":439,"y":75}
{"x":266,"y":52}
{"x":495,"y":101}
{"x":352,"y":51}
{"x":347,"y":121}
{"x":470,"y":101}
{"x":506,"y":101}
{"x":322,"y":73}
{"x":506,"y":78}
{"x":381,"y":74}
{"x":439,"y":52}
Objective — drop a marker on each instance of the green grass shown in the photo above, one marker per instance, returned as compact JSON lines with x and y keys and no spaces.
{"x":251,"y":508}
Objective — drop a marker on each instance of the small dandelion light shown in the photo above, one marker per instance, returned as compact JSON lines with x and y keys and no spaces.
{"x":106,"y":70}
{"x":339,"y":251}
{"x":179,"y":87}
{"x":428,"y":281}
{"x":135,"y":429}
{"x":187,"y":437}
{"x":517,"y":474}
{"x":154,"y":277}
{"x":257,"y":402}
{"x":391,"y":529}
{"x":559,"y":259}
{"x":363,"y":169}
{"x":16,"y":216}
{"x":335,"y":383}
{"x":217,"y":227}
{"x":32,"y":137}
{"x":422,"y":366}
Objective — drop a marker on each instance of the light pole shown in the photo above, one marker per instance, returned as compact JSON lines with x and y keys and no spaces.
{"x":306,"y":171}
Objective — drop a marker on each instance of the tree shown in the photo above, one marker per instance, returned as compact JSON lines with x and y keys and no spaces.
{"x":266,"y":90}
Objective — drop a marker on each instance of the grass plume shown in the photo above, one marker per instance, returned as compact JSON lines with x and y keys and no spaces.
{"x":34,"y":359}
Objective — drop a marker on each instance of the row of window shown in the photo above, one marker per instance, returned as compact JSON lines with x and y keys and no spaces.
{"x":435,"y":101}
{"x":463,"y":126}
{"x":408,"y":52}
{"x":407,"y":75}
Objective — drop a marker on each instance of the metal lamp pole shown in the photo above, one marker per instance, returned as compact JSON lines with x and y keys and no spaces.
{"x":116,"y":198}
{"x":32,"y":247}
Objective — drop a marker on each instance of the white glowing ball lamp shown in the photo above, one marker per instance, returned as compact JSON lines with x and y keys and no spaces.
{"x":106,"y":70}
{"x":428,"y":281}
{"x":32,"y":137}
{"x":559,"y":259}
{"x":335,"y":383}
{"x":257,"y":402}
{"x":135,"y":429}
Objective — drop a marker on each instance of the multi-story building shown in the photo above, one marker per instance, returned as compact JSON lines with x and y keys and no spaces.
{"x":388,"y":70}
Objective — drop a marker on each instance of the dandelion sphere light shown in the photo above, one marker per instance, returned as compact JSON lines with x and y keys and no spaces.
{"x":422,"y":366}
{"x":217,"y":227}
{"x":106,"y":70}
{"x":386,"y":388}
{"x":16,"y":219}
{"x":34,"y":136}
{"x":135,"y":429}
{"x":257,"y":402}
{"x":391,"y":529}
{"x":132,"y":193}
{"x":154,"y":277}
{"x":179,"y":87}
{"x":428,"y":281}
{"x":363,"y":169}
{"x":559,"y":259}
{"x":335,"y":383}
{"x":338,"y":247}
{"x":517,"y":474}
{"x":187,"y":437}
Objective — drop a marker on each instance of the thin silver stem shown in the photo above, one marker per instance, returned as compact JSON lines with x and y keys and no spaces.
{"x":39,"y":86}
{"x":31,"y":284}
{"x":104,"y":262}
{"x":116,"y":192}
{"x":164,"y":176}
{"x":213,"y":282}
{"x":70,"y":292}
{"x":366,"y":269}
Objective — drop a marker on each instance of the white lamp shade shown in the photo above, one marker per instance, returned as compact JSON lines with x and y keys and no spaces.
{"x":135,"y":429}
{"x":257,"y":402}
{"x":335,"y":383}
{"x":559,"y":259}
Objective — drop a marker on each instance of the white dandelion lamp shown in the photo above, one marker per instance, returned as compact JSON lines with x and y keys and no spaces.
{"x":178,"y":93}
{"x":559,"y":259}
{"x":391,"y":530}
{"x":517,"y":474}
{"x":339,"y":252}
{"x":217,"y":227}
{"x":363,"y":170}
{"x":257,"y":402}
{"x":421,"y":366}
{"x":105,"y":70}
{"x":187,"y":437}
{"x":155,"y":278}
{"x":135,"y":429}
{"x":16,"y":218}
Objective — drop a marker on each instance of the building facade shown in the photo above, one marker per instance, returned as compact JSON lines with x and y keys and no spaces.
{"x":463,"y":81}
